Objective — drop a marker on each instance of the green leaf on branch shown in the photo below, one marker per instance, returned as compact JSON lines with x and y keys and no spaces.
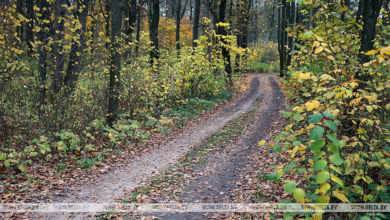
{"x":333,"y":148}
{"x":337,"y":180}
{"x":333,"y":138}
{"x":336,"y":159}
{"x":328,"y":115}
{"x":316,"y":133}
{"x":314,"y":118}
{"x":299,"y":194}
{"x":317,"y":145}
{"x":318,"y":155}
{"x":319,"y":165}
{"x":270,"y":176}
{"x":289,"y":187}
{"x":331,"y":125}
{"x":322,"y":177}
{"x":298,"y":117}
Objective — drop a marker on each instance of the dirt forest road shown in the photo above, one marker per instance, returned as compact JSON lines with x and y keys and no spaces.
{"x":219,"y":179}
{"x":226,"y":164}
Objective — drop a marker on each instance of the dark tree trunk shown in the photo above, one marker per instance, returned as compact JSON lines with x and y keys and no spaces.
{"x":231,"y":12}
{"x":126,"y":14}
{"x":287,"y":15}
{"x":245,"y":27}
{"x":370,"y":16}
{"x":360,"y":10}
{"x":184,"y":9}
{"x":59,"y":13}
{"x":107,"y":18}
{"x":299,"y":24}
{"x":386,"y":20}
{"x":270,"y":37}
{"x":74,"y":65}
{"x":30,"y":25}
{"x":195,"y":27}
{"x":154,"y":17}
{"x":242,"y":32}
{"x":179,"y":16}
{"x":282,"y":54}
{"x":114,"y":86}
{"x":43,"y":37}
{"x":191,"y":9}
{"x":132,"y":16}
{"x":178,"y":19}
{"x":225,"y":52}
{"x":19,"y":10}
{"x":138,"y":32}
{"x":279,"y":35}
{"x":290,"y":39}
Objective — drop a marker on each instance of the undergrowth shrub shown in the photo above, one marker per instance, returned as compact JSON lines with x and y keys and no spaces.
{"x":266,"y":59}
{"x":45,"y":120}
{"x":338,"y":135}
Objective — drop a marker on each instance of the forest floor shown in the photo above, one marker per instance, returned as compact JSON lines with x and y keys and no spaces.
{"x":216,"y":159}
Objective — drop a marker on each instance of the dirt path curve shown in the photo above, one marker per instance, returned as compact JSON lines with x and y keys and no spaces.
{"x":112,"y":185}
{"x":218,"y":182}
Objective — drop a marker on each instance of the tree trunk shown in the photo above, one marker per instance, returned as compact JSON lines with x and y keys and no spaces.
{"x":132,"y":16}
{"x":191,"y":9}
{"x":107,"y":18}
{"x":360,"y":10}
{"x":59,"y":13}
{"x":74,"y":65}
{"x":270,"y":37}
{"x":290,"y":39}
{"x":282,"y":54}
{"x":386,"y":20}
{"x":154,"y":17}
{"x":245,"y":27}
{"x":370,"y":16}
{"x":279,"y":7}
{"x":19,"y":10}
{"x":138,"y":32}
{"x":299,"y":24}
{"x":195,"y":27}
{"x":30,"y":25}
{"x":225,"y":52}
{"x":114,"y":86}
{"x":178,"y":19}
{"x":43,"y":37}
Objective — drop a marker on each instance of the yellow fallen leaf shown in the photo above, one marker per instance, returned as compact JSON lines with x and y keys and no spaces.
{"x":323,"y":188}
{"x":330,"y":57}
{"x":339,"y":94}
{"x":261,"y":143}
{"x":340,"y":196}
{"x":302,"y":76}
{"x":319,"y":38}
{"x":313,"y":104}
{"x":326,"y":77}
{"x":385,"y":50}
{"x":319,"y":50}
{"x":371,"y":52}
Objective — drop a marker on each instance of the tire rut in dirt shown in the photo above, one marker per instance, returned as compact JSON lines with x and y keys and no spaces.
{"x":111,"y":186}
{"x":225,"y":166}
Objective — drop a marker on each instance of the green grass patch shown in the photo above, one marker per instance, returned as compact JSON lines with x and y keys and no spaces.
{"x":185,"y":110}
{"x":263,"y":67}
